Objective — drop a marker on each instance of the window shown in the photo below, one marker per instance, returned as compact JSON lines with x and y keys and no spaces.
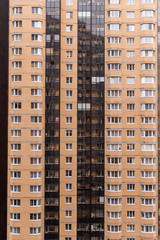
{"x":130,"y":160}
{"x":15,"y":188}
{"x":69,"y":15}
{"x":15,"y":161}
{"x":130,"y":2}
{"x":36,"y":133}
{"x":68,"y":213}
{"x":68,"y":106}
{"x":69,"y":67}
{"x":114,"y":106}
{"x":15,"y":216}
{"x":16,"y":119}
{"x":130,"y":107}
{"x":35,"y":161}
{"x":68,"y":120}
{"x":68,"y":200}
{"x":114,"y":201}
{"x":147,"y":66}
{"x":130,"y":54}
{"x":16,"y":147}
{"x":68,"y":80}
{"x":147,"y":26}
{"x":148,"y":147}
{"x":114,"y":160}
{"x":69,"y":2}
{"x":15,"y":174}
{"x":17,"y":64}
{"x":114,"y":215}
{"x":148,"y":174}
{"x":147,"y":161}
{"x":68,"y":133}
{"x":130,"y":214}
{"x":35,"y":175}
{"x":36,"y":51}
{"x":17,"y":10}
{"x":114,"y":1}
{"x":35,"y":216}
{"x":130,"y":201}
{"x":17,"y":51}
{"x":114,"y":187}
{"x":36,"y":37}
{"x":15,"y":230}
{"x":114,"y":133}
{"x":36,"y":105}
{"x":114,"y":53}
{"x":36,"y":64}
{"x":148,"y":215}
{"x":68,"y":173}
{"x":130,"y":228}
{"x":114,"y":26}
{"x":130,"y":187}
{"x":36,"y":92}
{"x":147,"y":40}
{"x":37,"y":10}
{"x":147,"y":53}
{"x":16,"y":92}
{"x":130,"y":80}
{"x":148,"y":106}
{"x":148,"y":120}
{"x":147,"y":79}
{"x":147,"y":133}
{"x":36,"y":119}
{"x":130,"y":147}
{"x":69,"y":41}
{"x":148,"y":201}
{"x":113,"y":228}
{"x":148,"y":93}
{"x":35,"y":230}
{"x":68,"y":93}
{"x":114,"y":93}
{"x":130,"y":14}
{"x":68,"y":187}
{"x":35,"y":202}
{"x":17,"y":24}
{"x":130,"y":120}
{"x":36,"y":147}
{"x":36,"y":78}
{"x":130,"y":93}
{"x":130,"y":67}
{"x":15,"y":202}
{"x":114,"y":120}
{"x":130,"y":174}
{"x":68,"y":227}
{"x":16,"y":133}
{"x":114,"y":80}
{"x":114,"y":13}
{"x":114,"y":174}
{"x":17,"y":37}
{"x":114,"y":147}
{"x":69,"y":54}
{"x":130,"y":41}
{"x":68,"y":160}
{"x":69,"y":28}
{"x":130,"y":28}
{"x":114,"y":40}
{"x":148,"y":229}
{"x":147,"y":1}
{"x":37,"y":24}
{"x":69,"y":146}
{"x":35,"y":189}
{"x":148,"y":188}
{"x":16,"y":78}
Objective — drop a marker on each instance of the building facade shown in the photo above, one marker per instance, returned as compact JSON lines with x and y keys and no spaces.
{"x":82,"y":120}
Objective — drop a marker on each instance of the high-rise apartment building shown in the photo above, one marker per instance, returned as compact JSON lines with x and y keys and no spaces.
{"x":83,"y":122}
